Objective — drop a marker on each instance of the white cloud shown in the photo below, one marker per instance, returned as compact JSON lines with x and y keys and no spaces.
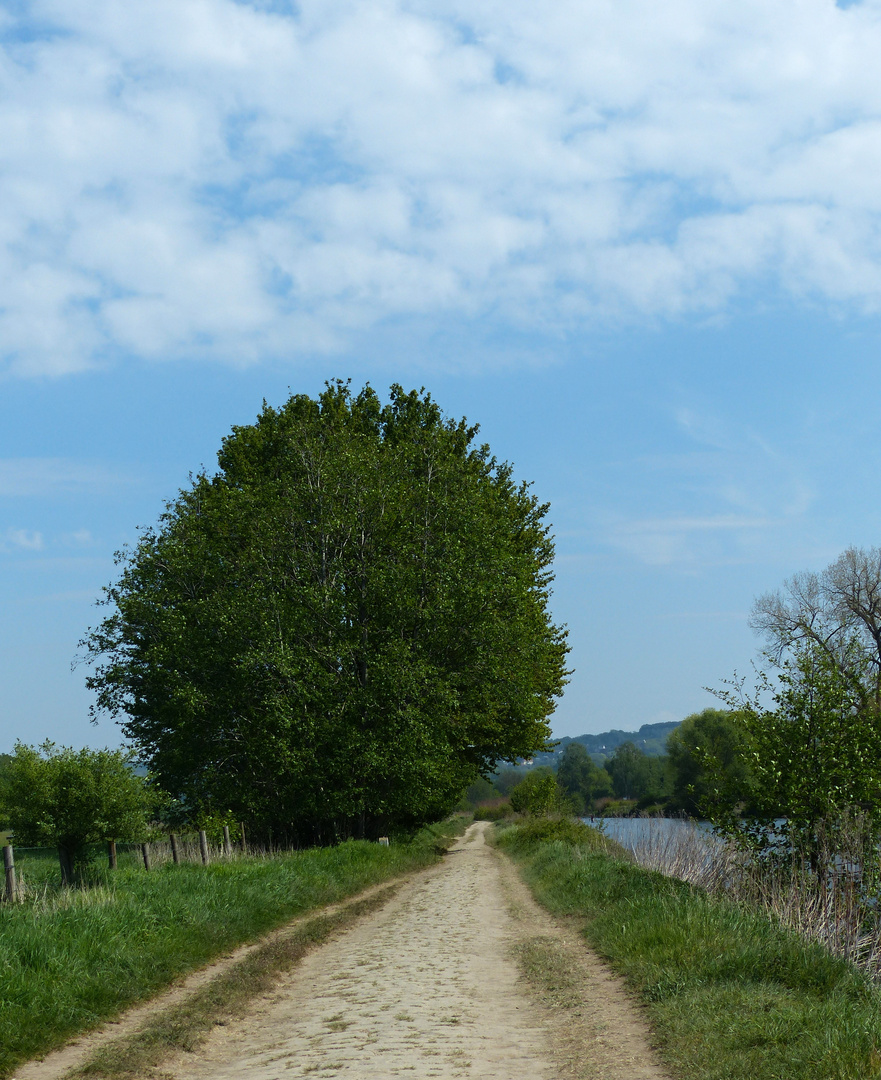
{"x":53,"y":476}
{"x":25,"y":539}
{"x":206,"y":177}
{"x":80,"y":538}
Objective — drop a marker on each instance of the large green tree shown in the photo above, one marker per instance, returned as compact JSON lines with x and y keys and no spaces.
{"x":636,"y":775}
{"x":342,"y":627}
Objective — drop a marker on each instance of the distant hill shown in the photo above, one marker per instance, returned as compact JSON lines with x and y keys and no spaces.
{"x":651,"y":739}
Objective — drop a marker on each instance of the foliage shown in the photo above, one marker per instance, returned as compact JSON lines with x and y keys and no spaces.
{"x":5,"y":762}
{"x":538,"y":793}
{"x":550,"y":829}
{"x":635,"y":775}
{"x":493,"y":811}
{"x":728,"y":992}
{"x":707,"y":744}
{"x":213,"y":824}
{"x":814,"y":756}
{"x":72,"y":798}
{"x":341,"y":628}
{"x":477,"y":792}
{"x":580,"y":778}
{"x":506,"y":780}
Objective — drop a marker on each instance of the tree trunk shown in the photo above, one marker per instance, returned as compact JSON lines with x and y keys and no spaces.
{"x":66,"y":862}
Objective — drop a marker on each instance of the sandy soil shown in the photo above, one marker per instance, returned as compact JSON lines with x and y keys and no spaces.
{"x":461,"y":974}
{"x":431,"y":986}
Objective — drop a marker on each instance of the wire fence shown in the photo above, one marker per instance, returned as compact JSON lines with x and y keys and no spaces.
{"x":29,"y":870}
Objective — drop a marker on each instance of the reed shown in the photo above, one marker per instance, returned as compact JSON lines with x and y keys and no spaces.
{"x":830,"y":895}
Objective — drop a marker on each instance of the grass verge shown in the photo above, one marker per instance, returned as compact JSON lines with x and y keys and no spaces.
{"x":730,"y":994}
{"x":77,"y":957}
{"x":181,"y":1027}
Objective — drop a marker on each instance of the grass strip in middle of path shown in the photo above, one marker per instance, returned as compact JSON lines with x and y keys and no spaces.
{"x":181,"y":1026}
{"x":730,"y":994}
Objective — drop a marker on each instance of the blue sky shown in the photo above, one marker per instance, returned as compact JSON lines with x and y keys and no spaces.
{"x":638,"y":244}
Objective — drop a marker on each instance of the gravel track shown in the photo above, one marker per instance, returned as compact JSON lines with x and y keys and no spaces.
{"x":430,"y":986}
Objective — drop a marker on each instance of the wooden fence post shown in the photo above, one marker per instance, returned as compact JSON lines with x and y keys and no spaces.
{"x":175,"y":854}
{"x":111,"y":854}
{"x":145,"y":852}
{"x":203,"y":846}
{"x":244,"y":842}
{"x":227,"y":843}
{"x":9,"y":867}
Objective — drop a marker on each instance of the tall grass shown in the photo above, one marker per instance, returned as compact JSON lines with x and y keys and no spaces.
{"x":70,"y":958}
{"x":731,"y":994}
{"x":829,"y":898}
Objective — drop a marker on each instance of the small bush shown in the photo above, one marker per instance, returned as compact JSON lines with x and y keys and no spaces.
{"x":496,"y":810}
{"x":539,"y":793}
{"x":616,"y":807}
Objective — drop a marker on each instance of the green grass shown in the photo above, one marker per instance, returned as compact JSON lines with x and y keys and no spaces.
{"x":183,"y":1025}
{"x":729,"y":994}
{"x":75,"y":957}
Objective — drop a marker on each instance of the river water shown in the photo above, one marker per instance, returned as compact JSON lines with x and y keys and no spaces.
{"x":631,"y":832}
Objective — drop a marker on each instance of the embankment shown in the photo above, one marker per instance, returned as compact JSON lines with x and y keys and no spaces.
{"x":729,"y":994}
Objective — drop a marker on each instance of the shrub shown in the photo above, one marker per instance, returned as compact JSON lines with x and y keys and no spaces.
{"x":539,"y":793}
{"x":548,"y":830}
{"x":493,"y":811}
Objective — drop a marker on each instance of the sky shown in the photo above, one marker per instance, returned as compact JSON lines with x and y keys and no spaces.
{"x":639,"y":244}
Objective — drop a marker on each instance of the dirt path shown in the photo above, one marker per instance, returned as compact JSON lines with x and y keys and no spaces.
{"x":460,"y":974}
{"x":432,"y":986}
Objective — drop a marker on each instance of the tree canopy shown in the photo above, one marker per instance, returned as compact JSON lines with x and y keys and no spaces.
{"x":836,"y":613}
{"x":342,"y":627}
{"x":636,"y":775}
{"x":539,"y":793}
{"x":813,"y":757}
{"x":72,"y":798}
{"x":709,"y":755}
{"x":580,"y":778}
{"x":810,"y":732}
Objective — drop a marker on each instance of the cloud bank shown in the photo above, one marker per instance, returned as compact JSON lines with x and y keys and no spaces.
{"x":206,"y":178}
